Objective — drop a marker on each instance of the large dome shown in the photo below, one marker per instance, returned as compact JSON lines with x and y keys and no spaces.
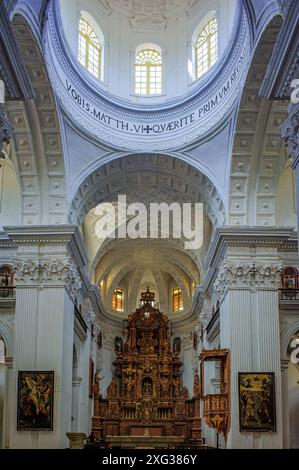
{"x":171,"y":27}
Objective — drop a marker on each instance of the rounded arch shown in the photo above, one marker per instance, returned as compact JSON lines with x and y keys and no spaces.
{"x":121,"y":174}
{"x":93,"y":23}
{"x":148,"y":70}
{"x":87,"y":21}
{"x":7,"y":334}
{"x":286,"y":335}
{"x":200,"y":28}
{"x":258,"y":154}
{"x":149,"y":45}
{"x":37,"y":139}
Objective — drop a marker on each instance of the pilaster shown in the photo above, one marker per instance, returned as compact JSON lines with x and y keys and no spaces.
{"x":244,"y":274}
{"x":48,"y":282}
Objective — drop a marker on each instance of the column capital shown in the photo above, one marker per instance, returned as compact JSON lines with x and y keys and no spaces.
{"x":242,"y":275}
{"x":245,"y":257}
{"x":49,"y":256}
{"x":290,"y":133}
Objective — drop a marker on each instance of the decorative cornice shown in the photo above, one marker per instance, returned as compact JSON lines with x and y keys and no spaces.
{"x":256,"y":236}
{"x":50,"y":235}
{"x":250,"y":238}
{"x":246,"y":276}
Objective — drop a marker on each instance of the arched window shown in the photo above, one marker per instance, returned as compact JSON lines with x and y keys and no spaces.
{"x":118,"y":300}
{"x":290,"y":278}
{"x":89,"y":52}
{"x":207,"y":48}
{"x":148,"y":73}
{"x":177,"y":300}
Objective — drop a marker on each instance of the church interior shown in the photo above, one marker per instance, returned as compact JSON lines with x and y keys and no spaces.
{"x":149,"y":182}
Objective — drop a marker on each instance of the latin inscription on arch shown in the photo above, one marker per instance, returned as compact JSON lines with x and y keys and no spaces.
{"x":152,"y":128}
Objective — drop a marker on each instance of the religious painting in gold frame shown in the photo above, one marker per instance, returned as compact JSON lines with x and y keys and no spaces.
{"x":257,"y":402}
{"x":35,"y":400}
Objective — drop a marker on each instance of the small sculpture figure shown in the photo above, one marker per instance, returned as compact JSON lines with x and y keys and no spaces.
{"x":112,"y":390}
{"x":196,"y":385}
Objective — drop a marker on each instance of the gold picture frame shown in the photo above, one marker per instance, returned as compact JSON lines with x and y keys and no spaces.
{"x":257,"y":402}
{"x":35,"y":400}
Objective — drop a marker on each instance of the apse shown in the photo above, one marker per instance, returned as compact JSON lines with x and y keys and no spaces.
{"x":123,"y":267}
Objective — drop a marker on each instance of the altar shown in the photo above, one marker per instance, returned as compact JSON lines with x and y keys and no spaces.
{"x":147,"y":403}
{"x":144,"y":442}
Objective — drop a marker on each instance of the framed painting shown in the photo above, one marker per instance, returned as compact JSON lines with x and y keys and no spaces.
{"x":35,"y":400}
{"x":257,"y":402}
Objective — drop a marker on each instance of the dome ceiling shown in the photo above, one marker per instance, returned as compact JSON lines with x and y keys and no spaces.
{"x":147,"y":8}
{"x":148,"y":15}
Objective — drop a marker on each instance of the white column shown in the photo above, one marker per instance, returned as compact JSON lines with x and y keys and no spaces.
{"x":44,"y":325}
{"x":75,"y":403}
{"x":46,"y":278}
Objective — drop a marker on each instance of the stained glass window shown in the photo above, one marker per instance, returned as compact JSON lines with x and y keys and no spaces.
{"x":89,"y":51}
{"x":148,"y":73}
{"x":207,"y":48}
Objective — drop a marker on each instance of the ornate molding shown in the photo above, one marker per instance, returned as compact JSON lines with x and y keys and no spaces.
{"x":290,"y":133}
{"x":206,"y":314}
{"x":47,"y":272}
{"x":246,"y":276}
{"x":6,"y":131}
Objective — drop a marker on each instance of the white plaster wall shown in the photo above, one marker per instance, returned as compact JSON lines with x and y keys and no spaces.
{"x":286,"y":198}
{"x":249,"y":327}
{"x":121,"y":41}
{"x":44,"y":326}
{"x":10,"y":198}
{"x":84,"y":403}
{"x":187,"y":376}
{"x":293,"y":374}
{"x":108,"y":358}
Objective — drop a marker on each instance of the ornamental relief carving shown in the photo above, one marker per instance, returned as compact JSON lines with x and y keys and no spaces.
{"x":47,"y":272}
{"x":186,"y":340}
{"x":206,"y":314}
{"x":290,"y":133}
{"x":108,"y":340}
{"x":246,"y":275}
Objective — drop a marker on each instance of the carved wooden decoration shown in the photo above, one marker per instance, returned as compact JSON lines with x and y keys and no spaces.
{"x":216,"y":407}
{"x":146,"y":395}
